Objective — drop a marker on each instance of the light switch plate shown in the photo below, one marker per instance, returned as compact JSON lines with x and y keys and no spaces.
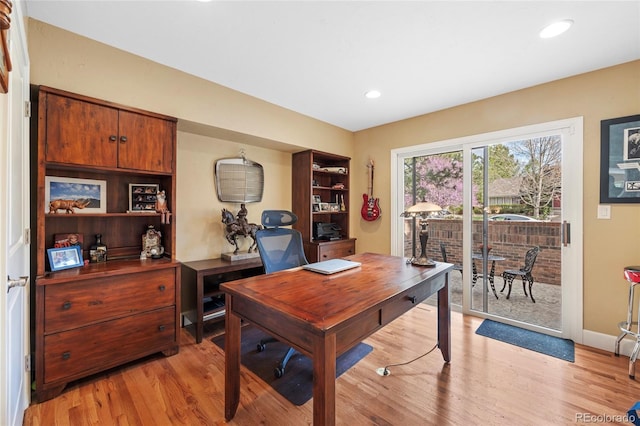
{"x":604,"y":211}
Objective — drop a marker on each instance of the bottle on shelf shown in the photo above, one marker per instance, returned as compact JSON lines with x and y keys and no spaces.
{"x":98,"y":251}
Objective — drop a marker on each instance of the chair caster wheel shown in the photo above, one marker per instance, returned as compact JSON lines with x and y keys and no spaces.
{"x":260,"y":347}
{"x":278,"y":372}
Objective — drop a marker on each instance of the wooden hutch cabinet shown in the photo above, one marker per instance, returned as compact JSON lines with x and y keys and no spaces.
{"x":101,"y":315}
{"x":321,"y":201}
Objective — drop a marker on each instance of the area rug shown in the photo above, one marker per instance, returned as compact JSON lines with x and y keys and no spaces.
{"x":549,"y":345}
{"x":296,"y":385}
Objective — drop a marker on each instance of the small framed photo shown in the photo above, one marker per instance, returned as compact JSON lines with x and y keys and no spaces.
{"x":315,"y":207}
{"x":316,"y":199}
{"x":143,"y":197}
{"x":324,"y":207}
{"x":334,"y":207}
{"x":65,"y":257}
{"x":70,"y":195}
{"x":69,"y":239}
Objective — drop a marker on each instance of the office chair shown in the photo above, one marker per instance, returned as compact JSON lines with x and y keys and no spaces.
{"x":279,"y":248}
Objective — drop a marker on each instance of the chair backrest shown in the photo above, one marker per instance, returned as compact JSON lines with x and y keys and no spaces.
{"x":530,"y":259}
{"x":443,"y":251}
{"x":280,"y":248}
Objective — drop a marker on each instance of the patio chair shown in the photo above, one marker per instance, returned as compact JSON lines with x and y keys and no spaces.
{"x":524,"y":273}
{"x":443,"y":251}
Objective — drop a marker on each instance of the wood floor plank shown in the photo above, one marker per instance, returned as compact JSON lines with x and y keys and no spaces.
{"x":487,"y":382}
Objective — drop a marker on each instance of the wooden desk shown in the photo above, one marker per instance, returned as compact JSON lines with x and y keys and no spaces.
{"x":323,"y":316}
{"x":196,"y":289}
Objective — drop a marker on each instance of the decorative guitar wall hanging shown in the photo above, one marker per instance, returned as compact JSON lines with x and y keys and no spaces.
{"x":370,"y":208}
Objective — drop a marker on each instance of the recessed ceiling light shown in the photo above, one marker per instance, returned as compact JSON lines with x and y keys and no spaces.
{"x":372,"y":94}
{"x":556,"y":28}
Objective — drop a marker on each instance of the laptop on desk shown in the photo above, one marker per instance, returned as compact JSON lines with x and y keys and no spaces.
{"x":331,"y":266}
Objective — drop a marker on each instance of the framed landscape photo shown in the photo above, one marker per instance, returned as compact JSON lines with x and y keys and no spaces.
{"x":143,"y":197}
{"x":71,"y":195}
{"x":620,"y":160}
{"x":65,"y":258}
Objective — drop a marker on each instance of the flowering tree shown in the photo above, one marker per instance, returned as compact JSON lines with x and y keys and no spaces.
{"x":434,"y":178}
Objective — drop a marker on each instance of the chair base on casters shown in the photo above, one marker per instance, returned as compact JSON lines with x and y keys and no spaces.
{"x":632,"y":274}
{"x":279,"y":370}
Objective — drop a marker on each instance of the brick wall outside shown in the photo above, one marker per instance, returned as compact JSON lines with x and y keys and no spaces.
{"x":510,"y":240}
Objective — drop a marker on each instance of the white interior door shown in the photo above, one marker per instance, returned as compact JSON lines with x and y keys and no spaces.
{"x":14,"y":220}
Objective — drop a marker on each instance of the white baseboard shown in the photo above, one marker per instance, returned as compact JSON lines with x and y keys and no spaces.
{"x":607,"y":342}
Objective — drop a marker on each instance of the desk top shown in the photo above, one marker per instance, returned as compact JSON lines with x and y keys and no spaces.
{"x":324,"y":301}
{"x":221,"y":265}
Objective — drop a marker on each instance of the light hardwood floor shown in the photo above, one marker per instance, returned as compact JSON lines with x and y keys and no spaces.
{"x":487,"y":383}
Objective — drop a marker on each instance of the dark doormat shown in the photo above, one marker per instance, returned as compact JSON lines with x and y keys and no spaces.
{"x":532,"y":340}
{"x":297,"y":383}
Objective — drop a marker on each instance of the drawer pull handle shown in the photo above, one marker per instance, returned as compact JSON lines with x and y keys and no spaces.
{"x":112,"y":138}
{"x":66,"y":306}
{"x":123,"y":139}
{"x":413,"y":299}
{"x":162,"y":287}
{"x":66,"y":355}
{"x":161,"y":328}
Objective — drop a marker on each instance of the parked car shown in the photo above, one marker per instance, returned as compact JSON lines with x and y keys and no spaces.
{"x":513,"y":217}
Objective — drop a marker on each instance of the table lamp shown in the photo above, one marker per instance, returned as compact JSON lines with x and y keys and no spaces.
{"x":421,"y":210}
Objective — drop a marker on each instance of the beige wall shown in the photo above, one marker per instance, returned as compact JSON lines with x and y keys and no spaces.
{"x":216,"y":122}
{"x":213,"y":122}
{"x":609,"y":245}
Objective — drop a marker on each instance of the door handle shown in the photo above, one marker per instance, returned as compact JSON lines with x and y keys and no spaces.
{"x":566,"y":233}
{"x":20,"y":282}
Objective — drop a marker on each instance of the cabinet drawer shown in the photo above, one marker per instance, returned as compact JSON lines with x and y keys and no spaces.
{"x":76,"y":304}
{"x":107,"y":344}
{"x":336,"y":249}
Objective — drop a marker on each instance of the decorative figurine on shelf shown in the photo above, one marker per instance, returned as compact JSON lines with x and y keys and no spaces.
{"x":239,"y":226}
{"x":161,"y":207}
{"x":98,"y":251}
{"x":151,"y":244}
{"x":67,"y":205}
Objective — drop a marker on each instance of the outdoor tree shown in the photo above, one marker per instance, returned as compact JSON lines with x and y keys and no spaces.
{"x":541,"y":173}
{"x":502,"y":164}
{"x":434,"y":178}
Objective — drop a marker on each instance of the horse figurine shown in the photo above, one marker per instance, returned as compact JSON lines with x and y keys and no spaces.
{"x":235,"y":228}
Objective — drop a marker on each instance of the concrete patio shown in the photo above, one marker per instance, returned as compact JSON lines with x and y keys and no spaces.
{"x":546,"y":312}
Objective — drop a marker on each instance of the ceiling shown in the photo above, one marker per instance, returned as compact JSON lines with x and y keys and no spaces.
{"x":319,"y":58}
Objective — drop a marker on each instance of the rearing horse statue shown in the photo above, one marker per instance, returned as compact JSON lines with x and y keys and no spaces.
{"x":235,"y":228}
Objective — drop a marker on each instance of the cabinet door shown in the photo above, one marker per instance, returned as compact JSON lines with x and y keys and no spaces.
{"x":145,"y":143}
{"x":80,"y":132}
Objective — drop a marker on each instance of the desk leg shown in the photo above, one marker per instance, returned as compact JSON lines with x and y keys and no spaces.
{"x":231,"y":361}
{"x":324,"y":380}
{"x":200,"y":306}
{"x":444,"y":320}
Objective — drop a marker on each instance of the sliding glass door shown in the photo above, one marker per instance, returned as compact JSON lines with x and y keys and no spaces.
{"x":507,"y":200}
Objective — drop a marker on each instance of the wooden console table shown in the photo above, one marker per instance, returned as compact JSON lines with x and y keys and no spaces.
{"x":202,"y":299}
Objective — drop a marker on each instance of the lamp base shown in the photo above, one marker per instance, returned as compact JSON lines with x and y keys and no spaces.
{"x":423,"y":261}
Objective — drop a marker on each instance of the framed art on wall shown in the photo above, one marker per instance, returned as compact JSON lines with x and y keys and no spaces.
{"x":620,"y":160}
{"x":71,"y":195}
